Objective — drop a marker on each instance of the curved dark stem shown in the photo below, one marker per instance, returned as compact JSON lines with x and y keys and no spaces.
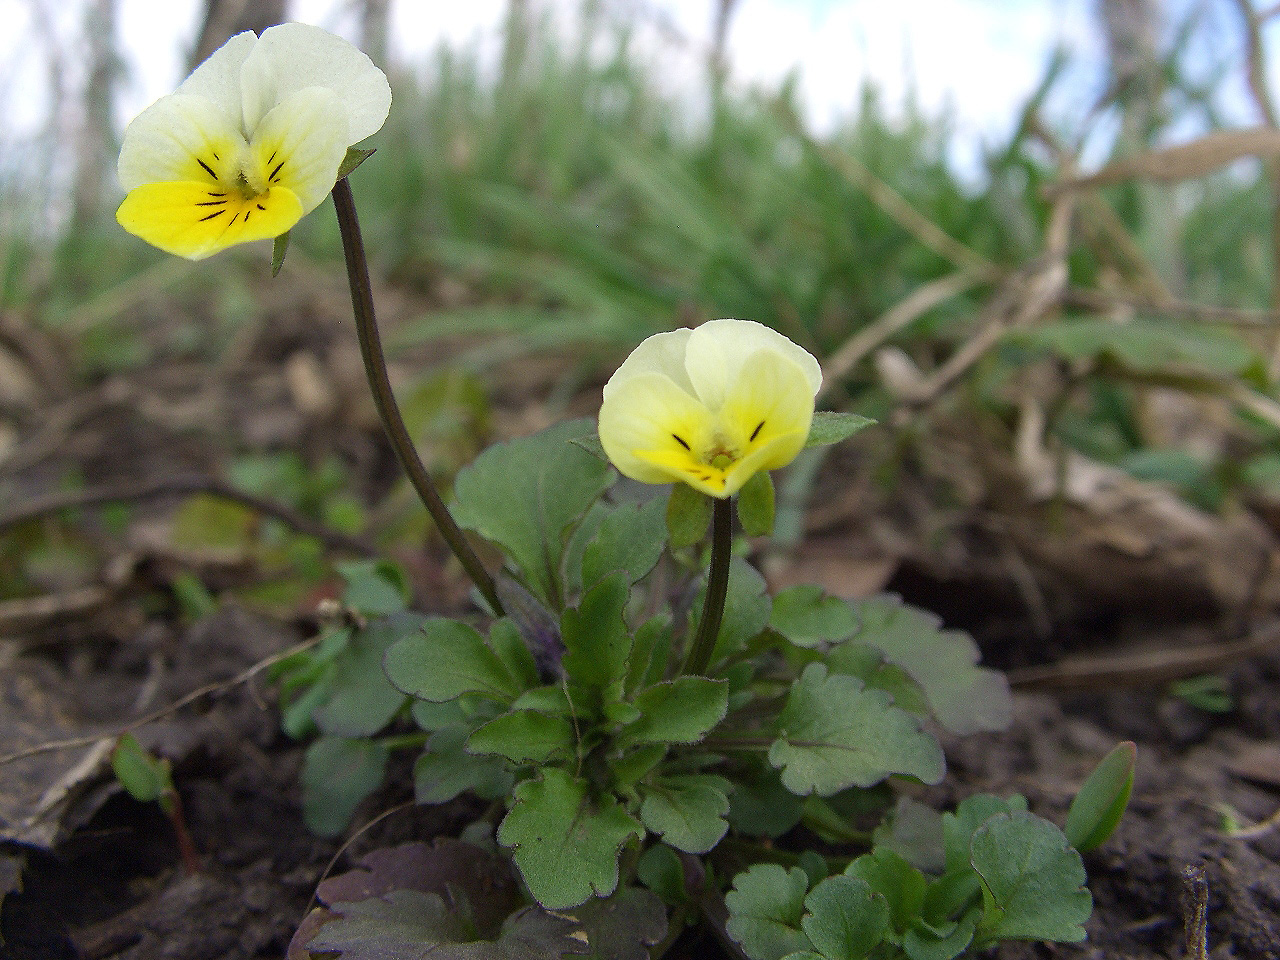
{"x":375,"y":365}
{"x":717,"y":587}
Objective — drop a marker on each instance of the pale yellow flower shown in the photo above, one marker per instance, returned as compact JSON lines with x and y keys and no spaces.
{"x":709,"y":407}
{"x":250,"y":143}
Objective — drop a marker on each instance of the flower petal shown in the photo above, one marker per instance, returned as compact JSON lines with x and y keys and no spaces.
{"x":294,"y":56}
{"x":195,"y":220}
{"x":218,"y":78}
{"x":648,"y":427}
{"x":718,"y":349}
{"x":661,"y":353}
{"x":770,"y":405}
{"x":180,"y":137}
{"x":300,"y":145}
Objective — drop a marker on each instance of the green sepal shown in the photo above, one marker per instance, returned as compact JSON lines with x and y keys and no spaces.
{"x":354,"y":157}
{"x":279,"y":247}
{"x":830,"y":427}
{"x":688,"y":516}
{"x":756,"y":505}
{"x":1098,"y":807}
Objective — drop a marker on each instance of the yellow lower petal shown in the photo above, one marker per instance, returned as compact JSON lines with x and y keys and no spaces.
{"x":197,"y":220}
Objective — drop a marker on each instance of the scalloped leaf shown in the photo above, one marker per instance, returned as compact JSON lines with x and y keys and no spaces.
{"x":683,"y":710}
{"x":411,"y":925}
{"x":623,"y":926}
{"x":360,"y":700}
{"x":525,"y":736}
{"x":447,"y":659}
{"x":337,"y":775}
{"x":964,"y":697}
{"x":766,"y":907}
{"x":687,"y":811}
{"x":846,"y":919}
{"x":834,"y":733}
{"x":1032,"y":880}
{"x":807,"y":616}
{"x":565,"y":842}
{"x":525,"y":494}
{"x":631,"y":538}
{"x":596,"y":640}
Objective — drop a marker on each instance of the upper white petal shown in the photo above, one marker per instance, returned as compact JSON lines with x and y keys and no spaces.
{"x":162,"y":142}
{"x":295,"y":56}
{"x":718,"y":350}
{"x":218,"y":78}
{"x":661,"y":353}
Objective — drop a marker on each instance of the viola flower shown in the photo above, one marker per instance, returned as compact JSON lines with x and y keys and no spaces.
{"x":249,"y":143}
{"x":709,"y":407}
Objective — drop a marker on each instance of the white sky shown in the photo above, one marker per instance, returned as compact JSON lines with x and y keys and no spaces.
{"x":978,"y":58}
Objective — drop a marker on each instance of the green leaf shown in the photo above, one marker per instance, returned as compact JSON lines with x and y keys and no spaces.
{"x":445,"y":770}
{"x":374,"y":587}
{"x":921,"y":943}
{"x":914,"y":832}
{"x":677,"y":711}
{"x":623,"y":926}
{"x":565,"y":842}
{"x":632,"y":767}
{"x":807,"y":616}
{"x":1145,"y":346}
{"x":279,"y":247}
{"x":1032,"y":880}
{"x":360,"y":700}
{"x":756,"y":505}
{"x":445,"y":660}
{"x":659,"y":868}
{"x":688,"y":811}
{"x":972,"y":812}
{"x":590,"y":442}
{"x":354,"y":157}
{"x":337,"y":775}
{"x":630,"y":539}
{"x":761,"y":806}
{"x":766,"y":906}
{"x":830,"y":427}
{"x":523,"y":495}
{"x":836,"y":734}
{"x":506,"y":639}
{"x":965,"y":698}
{"x":412,"y":925}
{"x":597,"y":644}
{"x":688,"y":516}
{"x":846,"y":918}
{"x":524,"y":736}
{"x":146,"y":778}
{"x":1098,"y":807}
{"x":902,"y":885}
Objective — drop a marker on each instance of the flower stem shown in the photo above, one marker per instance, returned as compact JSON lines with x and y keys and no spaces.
{"x":375,"y":365}
{"x":704,"y":642}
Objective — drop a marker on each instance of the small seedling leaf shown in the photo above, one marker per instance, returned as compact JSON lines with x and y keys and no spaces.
{"x":1102,"y":799}
{"x":374,"y":587}
{"x":687,"y":811}
{"x":145,"y":777}
{"x":565,"y":842}
{"x":846,"y":918}
{"x":1032,"y":878}
{"x":445,"y":660}
{"x":766,"y":907}
{"x":830,"y":427}
{"x":807,"y":616}
{"x":337,"y":775}
{"x":677,"y":711}
{"x":834,"y":734}
{"x":688,"y":516}
{"x":756,"y":505}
